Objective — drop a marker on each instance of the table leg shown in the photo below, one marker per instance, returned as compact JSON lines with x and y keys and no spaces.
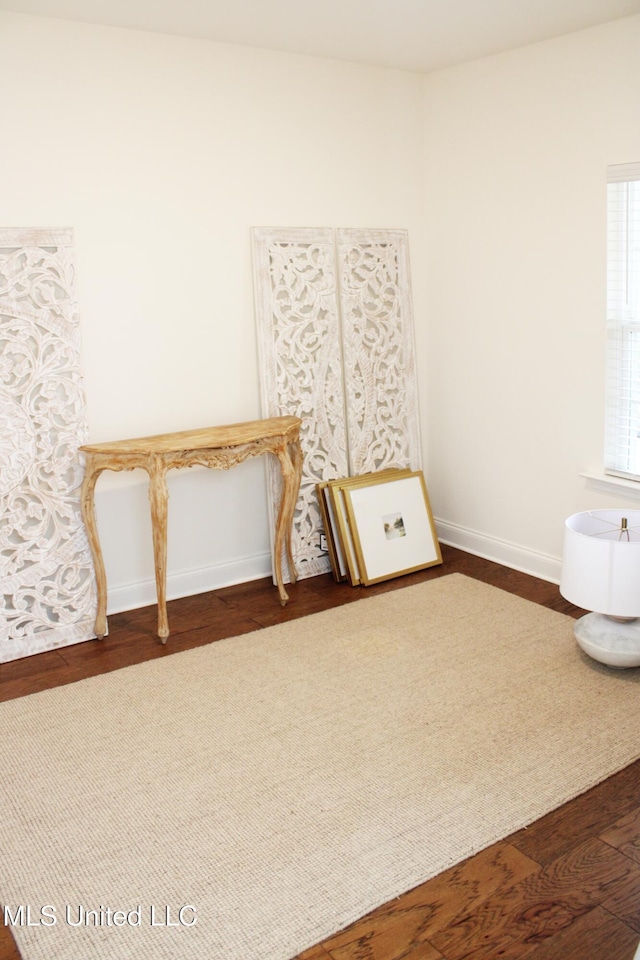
{"x":158,"y":498}
{"x":87,"y":506}
{"x":290,"y":457}
{"x":295,"y":452}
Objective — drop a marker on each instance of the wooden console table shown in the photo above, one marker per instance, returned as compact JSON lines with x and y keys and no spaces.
{"x":218,"y":447}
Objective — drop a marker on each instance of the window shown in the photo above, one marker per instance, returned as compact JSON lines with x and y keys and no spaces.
{"x":622,"y":450}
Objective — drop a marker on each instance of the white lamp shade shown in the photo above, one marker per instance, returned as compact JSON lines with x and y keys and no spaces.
{"x":601,"y":564}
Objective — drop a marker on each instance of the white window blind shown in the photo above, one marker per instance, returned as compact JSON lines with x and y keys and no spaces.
{"x":622,"y":449}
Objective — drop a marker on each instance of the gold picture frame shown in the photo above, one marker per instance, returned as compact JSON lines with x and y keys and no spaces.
{"x":334,"y":548}
{"x":343,"y":530}
{"x":341,"y":521}
{"x":390,"y":525}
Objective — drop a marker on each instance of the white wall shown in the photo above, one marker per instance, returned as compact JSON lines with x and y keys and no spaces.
{"x":517,"y":146}
{"x":162,"y":152}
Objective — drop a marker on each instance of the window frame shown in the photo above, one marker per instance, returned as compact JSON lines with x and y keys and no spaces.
{"x":622,"y":430}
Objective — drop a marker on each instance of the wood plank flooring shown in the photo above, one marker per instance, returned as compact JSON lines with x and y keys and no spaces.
{"x":565,"y":888}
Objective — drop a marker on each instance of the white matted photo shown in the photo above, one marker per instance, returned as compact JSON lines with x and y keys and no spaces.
{"x":391,"y":525}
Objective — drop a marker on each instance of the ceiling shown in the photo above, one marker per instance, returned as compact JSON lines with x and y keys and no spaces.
{"x":419,"y":35}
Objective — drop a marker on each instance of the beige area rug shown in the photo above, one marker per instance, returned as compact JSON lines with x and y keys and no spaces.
{"x":244,"y":800}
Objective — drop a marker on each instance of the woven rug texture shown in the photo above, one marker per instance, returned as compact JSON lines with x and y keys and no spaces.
{"x":246,"y":799}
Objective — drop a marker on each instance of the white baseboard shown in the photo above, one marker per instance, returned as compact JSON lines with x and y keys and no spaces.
{"x":187,"y":583}
{"x":512,"y":555}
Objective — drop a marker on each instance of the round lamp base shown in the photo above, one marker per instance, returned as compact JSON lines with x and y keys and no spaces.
{"x":617,"y":644}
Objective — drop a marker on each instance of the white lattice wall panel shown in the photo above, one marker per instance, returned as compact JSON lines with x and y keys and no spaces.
{"x":48,"y":587}
{"x":378,"y":350}
{"x":352,"y":383}
{"x":301,"y":368}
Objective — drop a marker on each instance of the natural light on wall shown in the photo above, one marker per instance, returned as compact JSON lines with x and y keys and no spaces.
{"x":622,"y":451}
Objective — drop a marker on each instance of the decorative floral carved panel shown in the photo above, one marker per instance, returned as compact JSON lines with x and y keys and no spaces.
{"x":301,"y":368}
{"x":378,"y":350}
{"x":353,"y":385}
{"x":48,"y":596}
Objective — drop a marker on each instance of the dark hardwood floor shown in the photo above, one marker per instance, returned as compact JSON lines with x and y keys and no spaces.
{"x":565,"y":888}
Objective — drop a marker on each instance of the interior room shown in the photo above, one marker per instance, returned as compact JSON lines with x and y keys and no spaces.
{"x":162,"y":145}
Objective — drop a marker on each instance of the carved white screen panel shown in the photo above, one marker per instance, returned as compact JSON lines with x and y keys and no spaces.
{"x":301,"y":369}
{"x":378,"y":350}
{"x":353,"y":383}
{"x":48,"y":596}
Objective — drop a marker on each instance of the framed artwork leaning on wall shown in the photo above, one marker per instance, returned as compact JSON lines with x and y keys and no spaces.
{"x":390,"y":524}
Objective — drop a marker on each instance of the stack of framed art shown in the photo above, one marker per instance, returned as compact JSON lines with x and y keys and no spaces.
{"x":378,"y":525}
